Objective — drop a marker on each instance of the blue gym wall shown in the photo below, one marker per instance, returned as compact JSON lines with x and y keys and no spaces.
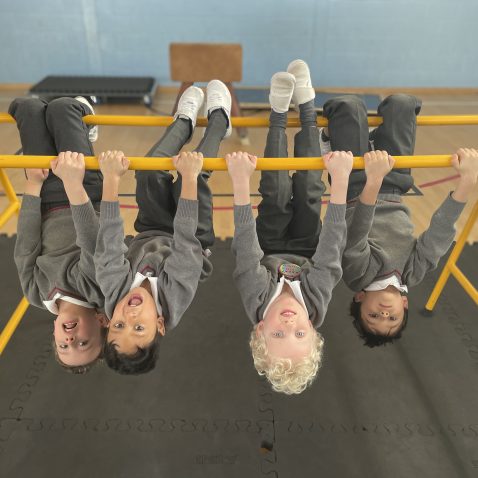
{"x":346,"y":42}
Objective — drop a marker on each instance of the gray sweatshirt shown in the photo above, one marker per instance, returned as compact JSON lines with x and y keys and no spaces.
{"x":54,"y":253}
{"x":177,"y":261}
{"x":256,"y":276}
{"x":380,"y":241}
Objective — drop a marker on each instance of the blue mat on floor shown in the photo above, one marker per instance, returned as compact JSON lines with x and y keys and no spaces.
{"x":259,"y":99}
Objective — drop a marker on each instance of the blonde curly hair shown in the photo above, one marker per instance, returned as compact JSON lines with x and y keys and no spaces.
{"x":284,"y":375}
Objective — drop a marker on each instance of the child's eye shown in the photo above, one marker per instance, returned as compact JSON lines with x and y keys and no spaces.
{"x":392,"y":318}
{"x":82,"y":344}
{"x":118,"y":325}
{"x":278,"y":334}
{"x":138,"y":327}
{"x":374,"y":316}
{"x":301,"y":333}
{"x":62,"y":346}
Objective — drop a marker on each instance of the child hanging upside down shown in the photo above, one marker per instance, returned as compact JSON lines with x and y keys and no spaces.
{"x":58,"y":226}
{"x":382,"y":258}
{"x":285,"y":273}
{"x":150,"y":284}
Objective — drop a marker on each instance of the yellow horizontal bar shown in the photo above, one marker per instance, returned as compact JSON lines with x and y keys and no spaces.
{"x":464,"y":282}
{"x":12,"y":324}
{"x":219,"y":164}
{"x":253,"y":122}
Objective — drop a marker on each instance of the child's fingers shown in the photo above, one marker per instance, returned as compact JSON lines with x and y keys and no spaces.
{"x":125,"y":163}
{"x":53,"y":164}
{"x":455,"y":162}
{"x":391,"y":161}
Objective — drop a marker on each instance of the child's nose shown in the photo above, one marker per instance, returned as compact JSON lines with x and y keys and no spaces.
{"x":69,"y":339}
{"x":384,"y":313}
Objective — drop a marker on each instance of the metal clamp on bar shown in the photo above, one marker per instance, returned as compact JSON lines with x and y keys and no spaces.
{"x":253,"y":122}
{"x":219,"y":164}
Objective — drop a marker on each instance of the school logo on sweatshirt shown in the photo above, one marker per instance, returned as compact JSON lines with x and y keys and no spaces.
{"x":290,"y":271}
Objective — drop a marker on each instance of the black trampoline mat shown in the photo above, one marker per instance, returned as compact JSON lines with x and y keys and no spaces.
{"x":409,"y":409}
{"x":114,"y":86}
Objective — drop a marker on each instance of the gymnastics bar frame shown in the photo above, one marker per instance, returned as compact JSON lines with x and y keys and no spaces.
{"x":166,"y":163}
{"x":450,"y":267}
{"x":12,"y":209}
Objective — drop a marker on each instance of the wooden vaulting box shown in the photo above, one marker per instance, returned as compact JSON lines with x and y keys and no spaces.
{"x":202,"y":62}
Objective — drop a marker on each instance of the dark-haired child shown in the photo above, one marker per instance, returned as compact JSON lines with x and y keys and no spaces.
{"x":150,"y":284}
{"x":382,"y":258}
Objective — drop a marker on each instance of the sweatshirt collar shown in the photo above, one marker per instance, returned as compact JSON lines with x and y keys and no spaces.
{"x":153,"y":281}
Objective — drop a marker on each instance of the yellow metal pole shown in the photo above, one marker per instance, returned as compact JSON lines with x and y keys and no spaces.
{"x":12,"y":324}
{"x":7,"y":186}
{"x":8,"y":212}
{"x":254,"y":122}
{"x":14,"y":206}
{"x":455,"y":254}
{"x":464,"y":282}
{"x":219,"y":164}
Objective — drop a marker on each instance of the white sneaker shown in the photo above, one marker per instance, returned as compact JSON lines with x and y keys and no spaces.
{"x":189,"y":104}
{"x":303,"y":91}
{"x":325,"y":146}
{"x":93,"y":131}
{"x":282,"y":87}
{"x":218,"y":96}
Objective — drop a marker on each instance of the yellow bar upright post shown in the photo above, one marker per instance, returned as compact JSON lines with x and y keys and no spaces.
{"x":14,"y":205}
{"x":451,"y":267}
{"x":6,"y":214}
{"x":12,"y":324}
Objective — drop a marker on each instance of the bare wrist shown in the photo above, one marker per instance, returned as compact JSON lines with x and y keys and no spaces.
{"x":110,"y":189}
{"x":374,"y":182}
{"x":76,"y":194}
{"x":33,"y":188}
{"x":341,"y":179}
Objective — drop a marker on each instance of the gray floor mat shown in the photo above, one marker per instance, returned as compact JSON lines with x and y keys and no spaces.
{"x":401,"y":410}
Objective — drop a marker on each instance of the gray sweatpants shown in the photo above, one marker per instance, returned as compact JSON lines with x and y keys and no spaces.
{"x":348,"y":131}
{"x":50,"y":128}
{"x":289,"y":213}
{"x":156,"y":193}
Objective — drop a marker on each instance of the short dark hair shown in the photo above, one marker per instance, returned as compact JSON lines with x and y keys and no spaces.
{"x":80,"y":369}
{"x":373,"y":340}
{"x":142,"y":361}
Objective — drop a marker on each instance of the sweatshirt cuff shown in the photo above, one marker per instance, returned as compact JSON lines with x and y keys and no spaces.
{"x":109,"y":210}
{"x":32,"y":203}
{"x":365,"y":211}
{"x":335,"y":213}
{"x":187,"y":209}
{"x":243,"y":215}
{"x":83,"y":213}
{"x":451,"y":209}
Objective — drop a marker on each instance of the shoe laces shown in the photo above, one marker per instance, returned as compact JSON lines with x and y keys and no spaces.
{"x":189,"y":105}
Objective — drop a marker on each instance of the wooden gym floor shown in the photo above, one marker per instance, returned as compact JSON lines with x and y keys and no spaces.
{"x":136,"y":141}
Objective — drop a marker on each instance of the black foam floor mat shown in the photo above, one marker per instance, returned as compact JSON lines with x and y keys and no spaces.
{"x":408,"y":409}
